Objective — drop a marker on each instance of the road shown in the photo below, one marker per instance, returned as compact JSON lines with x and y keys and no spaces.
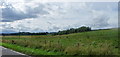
{"x":10,"y":53}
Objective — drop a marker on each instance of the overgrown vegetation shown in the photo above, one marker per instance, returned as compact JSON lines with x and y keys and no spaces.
{"x":101,"y":42}
{"x":29,"y":51}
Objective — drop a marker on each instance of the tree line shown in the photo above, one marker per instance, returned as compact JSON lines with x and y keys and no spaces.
{"x":25,"y":33}
{"x":72,"y":30}
{"x":68,"y":31}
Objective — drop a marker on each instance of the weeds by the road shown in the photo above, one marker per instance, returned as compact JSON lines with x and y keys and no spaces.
{"x":29,"y":51}
{"x":103,"y":42}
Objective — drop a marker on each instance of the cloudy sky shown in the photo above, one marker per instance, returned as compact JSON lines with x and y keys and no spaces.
{"x":34,"y":16}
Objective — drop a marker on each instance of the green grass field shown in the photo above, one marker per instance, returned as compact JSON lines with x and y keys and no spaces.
{"x":101,"y":42}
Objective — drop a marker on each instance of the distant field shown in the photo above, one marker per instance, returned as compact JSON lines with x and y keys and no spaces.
{"x":102,"y":42}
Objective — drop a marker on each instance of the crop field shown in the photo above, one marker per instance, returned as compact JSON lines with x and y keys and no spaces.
{"x":101,"y":42}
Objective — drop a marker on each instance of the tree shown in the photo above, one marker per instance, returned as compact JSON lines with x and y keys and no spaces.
{"x":72,"y":30}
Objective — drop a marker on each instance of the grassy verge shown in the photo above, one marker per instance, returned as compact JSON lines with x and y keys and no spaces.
{"x":29,"y":51}
{"x":101,"y":42}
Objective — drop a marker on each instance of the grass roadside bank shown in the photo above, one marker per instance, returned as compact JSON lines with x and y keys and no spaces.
{"x":41,"y":53}
{"x":102,"y":42}
{"x":29,"y":51}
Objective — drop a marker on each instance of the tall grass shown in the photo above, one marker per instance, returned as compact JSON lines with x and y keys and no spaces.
{"x":102,"y":42}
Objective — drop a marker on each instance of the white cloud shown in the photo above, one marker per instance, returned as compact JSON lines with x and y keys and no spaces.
{"x":62,"y":16}
{"x":63,"y":0}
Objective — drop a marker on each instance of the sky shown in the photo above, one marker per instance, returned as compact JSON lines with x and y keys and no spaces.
{"x":36,"y":16}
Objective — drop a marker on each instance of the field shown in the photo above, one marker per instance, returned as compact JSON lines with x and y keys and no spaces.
{"x":101,"y":42}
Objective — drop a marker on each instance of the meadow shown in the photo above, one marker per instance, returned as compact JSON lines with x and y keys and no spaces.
{"x":101,"y":42}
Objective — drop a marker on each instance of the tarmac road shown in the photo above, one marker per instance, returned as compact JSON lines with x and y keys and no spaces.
{"x":5,"y":52}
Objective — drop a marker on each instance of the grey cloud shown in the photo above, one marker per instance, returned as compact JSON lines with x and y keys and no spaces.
{"x":8,"y":31}
{"x":10,"y":14}
{"x":38,"y":29}
{"x":54,"y":28}
{"x":7,"y":28}
{"x":36,"y":10}
{"x":101,"y":21}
